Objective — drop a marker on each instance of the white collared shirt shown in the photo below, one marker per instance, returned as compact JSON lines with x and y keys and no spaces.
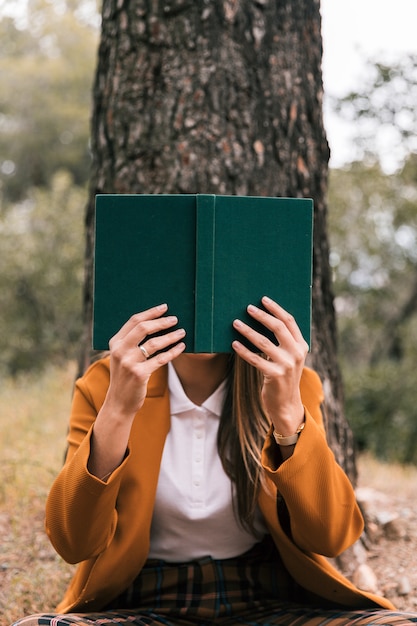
{"x":193,"y":515}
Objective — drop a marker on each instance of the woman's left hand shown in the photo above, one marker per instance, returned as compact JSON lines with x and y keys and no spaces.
{"x":281,"y":365}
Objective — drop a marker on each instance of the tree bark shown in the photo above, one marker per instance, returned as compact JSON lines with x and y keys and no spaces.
{"x":224,"y":97}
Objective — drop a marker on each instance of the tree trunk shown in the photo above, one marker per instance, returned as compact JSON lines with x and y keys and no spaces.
{"x":223,"y":97}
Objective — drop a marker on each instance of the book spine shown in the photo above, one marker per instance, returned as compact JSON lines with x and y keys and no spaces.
{"x":204,"y":279}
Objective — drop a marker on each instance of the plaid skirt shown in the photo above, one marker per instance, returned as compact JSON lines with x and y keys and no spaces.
{"x":253,"y":590}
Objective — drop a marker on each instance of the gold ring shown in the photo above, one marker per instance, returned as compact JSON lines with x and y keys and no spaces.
{"x":144,"y":352}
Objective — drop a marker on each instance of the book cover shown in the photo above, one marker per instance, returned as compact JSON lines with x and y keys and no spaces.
{"x":206,"y":256}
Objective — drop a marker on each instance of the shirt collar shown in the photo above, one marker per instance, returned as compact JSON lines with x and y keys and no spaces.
{"x":180,"y":401}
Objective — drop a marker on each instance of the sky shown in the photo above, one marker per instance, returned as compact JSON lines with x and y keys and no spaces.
{"x":353,"y":31}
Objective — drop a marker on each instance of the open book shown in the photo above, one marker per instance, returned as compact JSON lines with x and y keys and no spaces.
{"x":206,"y":256}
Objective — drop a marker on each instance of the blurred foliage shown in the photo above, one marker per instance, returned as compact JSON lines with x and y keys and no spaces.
{"x":47,"y":59}
{"x":382,"y":410}
{"x":42,"y":246}
{"x":383,"y":113}
{"x":373,"y":238}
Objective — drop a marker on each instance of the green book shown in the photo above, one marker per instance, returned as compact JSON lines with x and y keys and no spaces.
{"x":206,"y":256}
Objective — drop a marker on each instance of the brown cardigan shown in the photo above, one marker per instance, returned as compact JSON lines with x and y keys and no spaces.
{"x":105,"y":526}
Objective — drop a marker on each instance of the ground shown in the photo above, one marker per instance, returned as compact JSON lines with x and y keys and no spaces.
{"x":392,"y":557}
{"x":386,"y":556}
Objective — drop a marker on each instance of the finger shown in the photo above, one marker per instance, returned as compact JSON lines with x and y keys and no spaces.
{"x":162,"y":358}
{"x":143,"y":328}
{"x":280,"y":313}
{"x":158,"y":343}
{"x":287,"y":343}
{"x":257,"y":339}
{"x":281,"y":323}
{"x":144,"y":352}
{"x":276,"y":326}
{"x":137,"y":318}
{"x":256,"y":360}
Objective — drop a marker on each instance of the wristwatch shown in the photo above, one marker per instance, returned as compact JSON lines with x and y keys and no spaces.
{"x":291,"y":439}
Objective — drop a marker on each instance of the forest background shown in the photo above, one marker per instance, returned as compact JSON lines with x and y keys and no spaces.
{"x":47,"y":61}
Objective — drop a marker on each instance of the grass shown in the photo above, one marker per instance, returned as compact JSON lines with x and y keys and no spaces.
{"x":33,"y":420}
{"x":389,"y":478}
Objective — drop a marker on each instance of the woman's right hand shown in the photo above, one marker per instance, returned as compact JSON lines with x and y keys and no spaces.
{"x":130,"y":371}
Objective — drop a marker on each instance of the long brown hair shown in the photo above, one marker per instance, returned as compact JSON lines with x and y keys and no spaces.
{"x":242,"y":430}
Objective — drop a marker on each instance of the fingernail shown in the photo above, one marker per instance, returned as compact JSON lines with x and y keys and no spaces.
{"x":161,"y":306}
{"x":237,"y":323}
{"x":266,"y":299}
{"x":251,"y":308}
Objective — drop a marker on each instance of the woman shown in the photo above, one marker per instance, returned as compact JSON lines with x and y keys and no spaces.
{"x":200,"y":488}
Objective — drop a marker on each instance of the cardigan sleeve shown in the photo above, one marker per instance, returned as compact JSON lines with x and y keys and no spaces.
{"x":323,"y":513}
{"x":81,"y":513}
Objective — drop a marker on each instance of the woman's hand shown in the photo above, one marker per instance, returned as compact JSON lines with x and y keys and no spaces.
{"x":130,"y":369}
{"x":135,"y":353}
{"x":281,"y":365}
